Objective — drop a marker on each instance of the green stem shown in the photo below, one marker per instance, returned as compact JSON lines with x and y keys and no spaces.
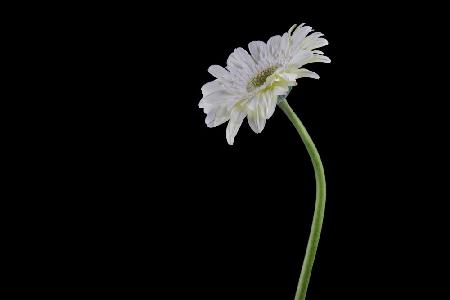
{"x":319,"y":210}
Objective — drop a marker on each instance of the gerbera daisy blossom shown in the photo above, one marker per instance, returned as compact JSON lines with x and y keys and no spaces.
{"x":252,"y":83}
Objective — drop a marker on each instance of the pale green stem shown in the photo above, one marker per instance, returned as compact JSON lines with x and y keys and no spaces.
{"x":319,"y":210}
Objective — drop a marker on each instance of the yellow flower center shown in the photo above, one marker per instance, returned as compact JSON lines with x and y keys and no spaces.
{"x":260,"y":78}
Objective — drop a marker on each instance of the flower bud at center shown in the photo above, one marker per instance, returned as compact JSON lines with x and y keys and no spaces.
{"x":260,"y":78}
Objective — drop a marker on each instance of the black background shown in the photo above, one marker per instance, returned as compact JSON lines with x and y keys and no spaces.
{"x":167,"y":209}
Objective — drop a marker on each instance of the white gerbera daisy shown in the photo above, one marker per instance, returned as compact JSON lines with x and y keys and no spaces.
{"x":251,"y":84}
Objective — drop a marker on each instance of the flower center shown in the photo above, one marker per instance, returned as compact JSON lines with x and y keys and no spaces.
{"x":260,"y":78}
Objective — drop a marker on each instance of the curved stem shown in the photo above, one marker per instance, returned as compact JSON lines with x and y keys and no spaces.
{"x":319,"y":210}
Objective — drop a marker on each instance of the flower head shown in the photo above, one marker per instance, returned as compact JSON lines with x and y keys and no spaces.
{"x":251,"y":84}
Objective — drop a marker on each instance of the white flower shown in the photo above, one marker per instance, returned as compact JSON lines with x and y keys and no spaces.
{"x":251,"y":84}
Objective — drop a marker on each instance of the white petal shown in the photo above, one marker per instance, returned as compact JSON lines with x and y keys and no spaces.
{"x":299,"y":35}
{"x":313,"y":41}
{"x":219,"y":72}
{"x":241,"y":64}
{"x":306,"y":73}
{"x":318,"y":58}
{"x":262,"y":107}
{"x":245,"y":58}
{"x":256,"y":49}
{"x":252,"y":121}
{"x":210,"y":118}
{"x":284,"y":44}
{"x":315,"y":35}
{"x":220,"y":97}
{"x":261,"y":117}
{"x":289,"y":76}
{"x":236,"y":118}
{"x":293,"y":27}
{"x":257,"y":118}
{"x":211,"y":87}
{"x":236,"y":69}
{"x":261,"y":52}
{"x":271,"y":105}
{"x":301,"y":57}
{"x":218,"y":116}
{"x":222,"y":116}
{"x":280,"y":90}
{"x":274,"y":45}
{"x":252,"y":103}
{"x":268,"y":97}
